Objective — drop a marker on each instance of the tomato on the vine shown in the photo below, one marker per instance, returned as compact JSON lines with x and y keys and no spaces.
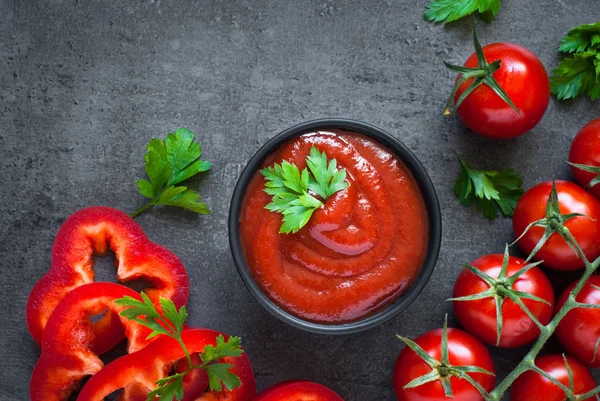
{"x":463,"y":350}
{"x":556,"y":253}
{"x":297,"y":390}
{"x":585,"y":151}
{"x":531,"y":386}
{"x":479,"y":316}
{"x":524,"y":81}
{"x":579,"y":330}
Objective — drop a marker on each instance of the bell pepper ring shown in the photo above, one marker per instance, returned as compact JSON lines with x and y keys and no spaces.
{"x":138,"y":372}
{"x":92,"y":231}
{"x":66,"y":347}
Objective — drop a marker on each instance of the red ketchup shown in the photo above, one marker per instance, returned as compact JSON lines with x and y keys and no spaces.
{"x":358,"y":253}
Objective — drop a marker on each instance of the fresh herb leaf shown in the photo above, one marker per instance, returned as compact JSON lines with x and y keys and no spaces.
{"x":223,"y":348}
{"x":219,"y":373}
{"x":578,"y":74}
{"x":452,"y":10}
{"x":492,"y":190}
{"x":168,"y":390}
{"x":583,"y":38}
{"x":327,"y":178}
{"x":169,"y":321}
{"x":289,"y":188}
{"x":169,"y":163}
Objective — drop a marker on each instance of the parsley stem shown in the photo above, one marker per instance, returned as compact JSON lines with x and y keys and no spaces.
{"x":187,"y":354}
{"x":141,"y":209}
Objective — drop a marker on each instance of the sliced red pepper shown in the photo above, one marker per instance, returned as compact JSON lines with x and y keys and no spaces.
{"x":92,"y":231}
{"x":66,"y":347}
{"x":296,"y":390}
{"x":137,"y":373}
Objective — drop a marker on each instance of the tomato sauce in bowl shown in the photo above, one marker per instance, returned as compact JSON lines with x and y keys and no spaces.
{"x":361,"y":253}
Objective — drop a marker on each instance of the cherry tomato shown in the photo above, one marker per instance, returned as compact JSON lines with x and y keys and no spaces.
{"x":298,"y":391}
{"x":463,"y":350}
{"x":579,"y":330}
{"x":556,"y":253}
{"x":479,"y":317}
{"x":525,"y":81}
{"x":585,"y":149}
{"x":531,"y":386}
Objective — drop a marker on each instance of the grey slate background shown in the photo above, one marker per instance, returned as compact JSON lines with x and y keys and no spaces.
{"x":85,"y":84}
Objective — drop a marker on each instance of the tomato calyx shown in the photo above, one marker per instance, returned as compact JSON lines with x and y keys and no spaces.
{"x":482,"y":74}
{"x":442,"y":370}
{"x":570,"y":390}
{"x":589,"y":169}
{"x":554,"y":223}
{"x":502,"y":288}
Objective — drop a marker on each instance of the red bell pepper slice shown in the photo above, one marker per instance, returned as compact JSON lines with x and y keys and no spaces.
{"x":91,"y":231}
{"x":297,"y":390}
{"x":66,"y":355}
{"x":137,"y":373}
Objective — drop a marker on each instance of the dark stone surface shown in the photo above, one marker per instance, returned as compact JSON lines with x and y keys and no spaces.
{"x":85,"y":84}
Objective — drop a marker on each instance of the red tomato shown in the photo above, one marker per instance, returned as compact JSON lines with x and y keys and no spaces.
{"x":479,"y":317}
{"x":555,"y":253}
{"x":531,"y":386}
{"x":585,"y":149}
{"x":298,"y":391}
{"x":579,"y":330}
{"x":525,"y":81}
{"x":463,"y":349}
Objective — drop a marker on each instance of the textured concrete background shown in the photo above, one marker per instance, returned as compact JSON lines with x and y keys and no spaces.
{"x":85,"y":84}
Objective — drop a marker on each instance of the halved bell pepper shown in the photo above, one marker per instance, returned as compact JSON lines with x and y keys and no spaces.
{"x":137,"y":373}
{"x":92,"y":231}
{"x":67,"y":356}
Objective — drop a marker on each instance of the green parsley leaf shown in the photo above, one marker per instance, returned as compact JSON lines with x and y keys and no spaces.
{"x":223,"y":348}
{"x":169,"y":163}
{"x":452,"y":10}
{"x":492,"y":190}
{"x":169,"y":321}
{"x":576,"y":76}
{"x":219,"y":373}
{"x":289,"y":188}
{"x":327,"y":179}
{"x":581,"y":39}
{"x":579,"y":74}
{"x":168,"y":389}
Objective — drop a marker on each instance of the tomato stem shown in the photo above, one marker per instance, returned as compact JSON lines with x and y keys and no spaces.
{"x":483,"y":74}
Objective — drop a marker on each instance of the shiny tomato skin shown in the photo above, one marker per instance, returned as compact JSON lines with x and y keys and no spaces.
{"x":579,"y":330}
{"x":463,"y":348}
{"x":525,"y":81}
{"x":479,"y":317}
{"x":555,"y":253}
{"x":296,"y":390}
{"x":531,"y":386}
{"x":585,"y":149}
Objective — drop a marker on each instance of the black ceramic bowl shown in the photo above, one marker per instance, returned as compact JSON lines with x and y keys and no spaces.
{"x":427,"y":191}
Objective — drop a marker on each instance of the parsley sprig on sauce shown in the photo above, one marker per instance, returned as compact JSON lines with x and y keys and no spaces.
{"x":293,"y":191}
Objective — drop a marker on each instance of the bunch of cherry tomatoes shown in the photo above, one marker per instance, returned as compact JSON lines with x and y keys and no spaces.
{"x":578,"y":332}
{"x":487,"y":281}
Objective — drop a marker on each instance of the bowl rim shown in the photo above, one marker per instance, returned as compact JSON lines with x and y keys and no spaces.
{"x":429,"y":196}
